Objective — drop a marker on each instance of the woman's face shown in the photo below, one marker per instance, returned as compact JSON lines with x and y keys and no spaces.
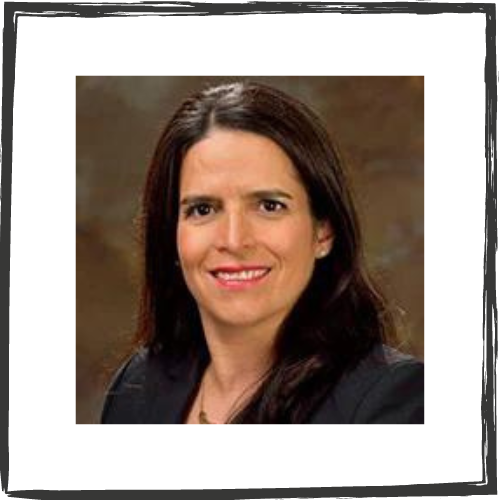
{"x":247,"y":241}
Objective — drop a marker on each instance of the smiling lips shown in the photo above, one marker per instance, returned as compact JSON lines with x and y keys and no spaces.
{"x":239,"y":277}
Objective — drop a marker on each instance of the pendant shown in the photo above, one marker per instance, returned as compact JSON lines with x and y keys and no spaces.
{"x":202,"y":418}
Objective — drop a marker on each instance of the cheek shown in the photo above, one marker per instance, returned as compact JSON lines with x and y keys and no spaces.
{"x":182,"y":245}
{"x":189,"y":246}
{"x":295,"y":246}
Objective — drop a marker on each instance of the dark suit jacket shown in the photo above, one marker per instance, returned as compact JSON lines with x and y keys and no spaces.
{"x":386,"y":387}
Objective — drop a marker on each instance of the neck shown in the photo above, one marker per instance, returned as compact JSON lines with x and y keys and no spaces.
{"x":240,"y":356}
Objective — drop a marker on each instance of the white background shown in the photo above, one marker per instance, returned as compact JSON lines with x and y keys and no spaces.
{"x":47,"y":449}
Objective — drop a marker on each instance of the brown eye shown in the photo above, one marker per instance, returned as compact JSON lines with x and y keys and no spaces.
{"x":198,"y":210}
{"x":203,"y":209}
{"x":272,"y":206}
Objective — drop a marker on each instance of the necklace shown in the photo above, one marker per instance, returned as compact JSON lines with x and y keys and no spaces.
{"x":202,"y":414}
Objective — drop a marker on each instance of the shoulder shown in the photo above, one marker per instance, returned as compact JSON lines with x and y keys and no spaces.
{"x":126,"y":386}
{"x":137,"y":391}
{"x":387,"y":386}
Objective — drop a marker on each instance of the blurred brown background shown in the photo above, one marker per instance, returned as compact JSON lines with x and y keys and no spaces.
{"x":378,"y":122}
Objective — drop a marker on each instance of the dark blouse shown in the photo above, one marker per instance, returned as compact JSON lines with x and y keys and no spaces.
{"x":386,"y":387}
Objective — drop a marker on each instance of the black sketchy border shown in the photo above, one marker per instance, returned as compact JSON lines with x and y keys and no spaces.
{"x":488,"y":484}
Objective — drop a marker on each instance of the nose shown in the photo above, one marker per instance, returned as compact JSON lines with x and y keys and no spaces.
{"x":234,"y":232}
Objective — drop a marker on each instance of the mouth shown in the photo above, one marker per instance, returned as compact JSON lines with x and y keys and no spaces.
{"x":239,"y":277}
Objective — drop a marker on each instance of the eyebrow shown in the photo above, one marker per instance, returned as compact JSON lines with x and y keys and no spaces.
{"x":260,"y":194}
{"x":270,"y":193}
{"x":197,"y":198}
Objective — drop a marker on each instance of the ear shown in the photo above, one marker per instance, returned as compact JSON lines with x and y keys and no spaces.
{"x":324,"y":238}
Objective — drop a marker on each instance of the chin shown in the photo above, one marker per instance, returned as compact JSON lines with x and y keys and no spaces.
{"x":238,"y":320}
{"x":243,"y":317}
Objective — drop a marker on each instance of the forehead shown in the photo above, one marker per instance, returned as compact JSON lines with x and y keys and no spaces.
{"x":229,"y":159}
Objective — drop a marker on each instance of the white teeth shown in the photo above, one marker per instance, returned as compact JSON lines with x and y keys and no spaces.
{"x":242,"y":275}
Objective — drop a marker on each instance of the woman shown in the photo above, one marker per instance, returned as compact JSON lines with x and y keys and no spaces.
{"x":256,"y":306}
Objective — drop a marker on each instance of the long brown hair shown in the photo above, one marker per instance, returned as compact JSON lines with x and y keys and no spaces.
{"x":339,"y":317}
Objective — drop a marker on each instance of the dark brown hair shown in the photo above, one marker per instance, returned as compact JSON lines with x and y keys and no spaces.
{"x":340,"y":315}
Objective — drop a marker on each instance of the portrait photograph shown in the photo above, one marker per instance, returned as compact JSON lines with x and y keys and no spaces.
{"x":289,"y":208}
